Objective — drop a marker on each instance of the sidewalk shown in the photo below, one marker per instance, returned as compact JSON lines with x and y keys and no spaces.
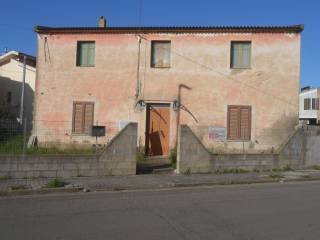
{"x":150,"y":181}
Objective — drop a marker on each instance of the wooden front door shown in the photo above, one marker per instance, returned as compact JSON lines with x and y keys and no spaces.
{"x":157,"y":129}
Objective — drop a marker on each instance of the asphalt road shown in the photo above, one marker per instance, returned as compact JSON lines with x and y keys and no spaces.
{"x":266,"y":211}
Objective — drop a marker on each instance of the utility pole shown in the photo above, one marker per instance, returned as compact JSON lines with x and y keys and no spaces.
{"x":22,"y":90}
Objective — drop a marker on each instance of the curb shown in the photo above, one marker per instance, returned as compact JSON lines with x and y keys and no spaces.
{"x":208,"y":184}
{"x":24,"y":192}
{"x":167,"y":186}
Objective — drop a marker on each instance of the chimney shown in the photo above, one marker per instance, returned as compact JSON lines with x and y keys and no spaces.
{"x":102,"y":22}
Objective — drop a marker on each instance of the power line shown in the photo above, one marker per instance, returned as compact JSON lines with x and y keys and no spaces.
{"x":228,"y":77}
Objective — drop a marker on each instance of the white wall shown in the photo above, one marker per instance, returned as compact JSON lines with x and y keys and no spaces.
{"x":307,"y":114}
{"x":11,"y":81}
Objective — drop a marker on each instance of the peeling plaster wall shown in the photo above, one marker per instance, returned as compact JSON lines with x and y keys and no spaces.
{"x":200,"y":61}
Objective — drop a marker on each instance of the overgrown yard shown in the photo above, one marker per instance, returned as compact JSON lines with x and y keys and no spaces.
{"x":15,"y":145}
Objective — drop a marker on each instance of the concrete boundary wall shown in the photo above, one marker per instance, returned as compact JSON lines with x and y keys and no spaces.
{"x":302,"y":150}
{"x":118,"y":158}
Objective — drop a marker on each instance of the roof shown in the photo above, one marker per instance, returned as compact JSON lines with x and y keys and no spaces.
{"x":188,"y":29}
{"x":31,"y":60}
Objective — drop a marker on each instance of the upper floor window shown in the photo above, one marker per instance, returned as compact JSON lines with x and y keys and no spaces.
{"x":240,"y":55}
{"x":85,"y":54}
{"x":306,"y":104}
{"x":315,"y":104}
{"x":160,"y":54}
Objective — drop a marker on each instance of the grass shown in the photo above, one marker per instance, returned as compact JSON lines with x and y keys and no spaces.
{"x":284,"y":169}
{"x":276,"y":175}
{"x":140,"y":155}
{"x":15,"y":146}
{"x":316,"y":167}
{"x":18,"y":187}
{"x":231,"y":170}
{"x":55,"y":183}
{"x":5,"y":177}
{"x":173,"y":157}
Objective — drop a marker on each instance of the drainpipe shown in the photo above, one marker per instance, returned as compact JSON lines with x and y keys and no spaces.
{"x":179,"y":105}
{"x":138,"y":69}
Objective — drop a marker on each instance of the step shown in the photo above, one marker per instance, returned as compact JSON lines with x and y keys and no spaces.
{"x":157,"y":161}
{"x":166,"y":170}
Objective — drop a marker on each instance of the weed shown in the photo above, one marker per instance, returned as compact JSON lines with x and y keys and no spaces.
{"x":173,"y":157}
{"x":276,"y":175}
{"x":14,"y":145}
{"x":54,"y":183}
{"x":187,"y":172}
{"x":287,"y":168}
{"x":231,"y":170}
{"x":18,"y":187}
{"x":316,"y":167}
{"x":5,"y":177}
{"x":140,"y":155}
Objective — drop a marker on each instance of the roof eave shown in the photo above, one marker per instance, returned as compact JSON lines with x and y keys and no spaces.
{"x":134,"y":30}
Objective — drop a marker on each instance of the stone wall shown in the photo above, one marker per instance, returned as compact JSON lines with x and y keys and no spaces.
{"x":300,"y":151}
{"x":118,"y":158}
{"x":303,"y":147}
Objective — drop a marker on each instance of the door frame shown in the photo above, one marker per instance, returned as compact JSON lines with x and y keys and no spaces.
{"x":147,"y":122}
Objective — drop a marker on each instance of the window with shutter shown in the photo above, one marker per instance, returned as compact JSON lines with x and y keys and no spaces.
{"x":315,"y":104}
{"x":239,"y":123}
{"x":306,"y":104}
{"x":82,"y":117}
{"x":240,"y":55}
{"x":85,"y":54}
{"x":160,"y":54}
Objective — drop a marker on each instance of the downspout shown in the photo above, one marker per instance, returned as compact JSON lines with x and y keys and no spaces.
{"x":138,"y":85}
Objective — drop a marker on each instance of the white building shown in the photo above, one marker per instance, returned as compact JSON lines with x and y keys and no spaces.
{"x":11,"y":77}
{"x":309,"y":105}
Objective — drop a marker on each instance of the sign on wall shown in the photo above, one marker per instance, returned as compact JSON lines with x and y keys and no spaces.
{"x":217,"y":133}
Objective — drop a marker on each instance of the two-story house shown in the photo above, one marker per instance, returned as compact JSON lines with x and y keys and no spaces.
{"x":11,"y":82}
{"x":236,"y":87}
{"x":309,"y":110}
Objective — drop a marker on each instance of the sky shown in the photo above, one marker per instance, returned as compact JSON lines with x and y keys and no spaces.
{"x":18,"y":18}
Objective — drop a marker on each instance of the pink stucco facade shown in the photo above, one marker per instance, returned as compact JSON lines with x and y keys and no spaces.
{"x":200,"y":61}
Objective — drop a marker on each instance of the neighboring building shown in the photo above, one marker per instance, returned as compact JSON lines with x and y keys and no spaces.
{"x":309,"y":105}
{"x":236,"y":87}
{"x":11,"y":79}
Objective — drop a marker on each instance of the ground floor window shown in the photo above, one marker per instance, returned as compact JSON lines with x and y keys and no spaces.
{"x":239,"y":123}
{"x":82,"y":117}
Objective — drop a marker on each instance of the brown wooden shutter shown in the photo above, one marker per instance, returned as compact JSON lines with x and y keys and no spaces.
{"x":233,"y":123}
{"x":88,"y":117}
{"x":239,"y":122}
{"x":317,"y":103}
{"x":82,"y":117}
{"x":78,"y":109}
{"x":245,"y":123}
